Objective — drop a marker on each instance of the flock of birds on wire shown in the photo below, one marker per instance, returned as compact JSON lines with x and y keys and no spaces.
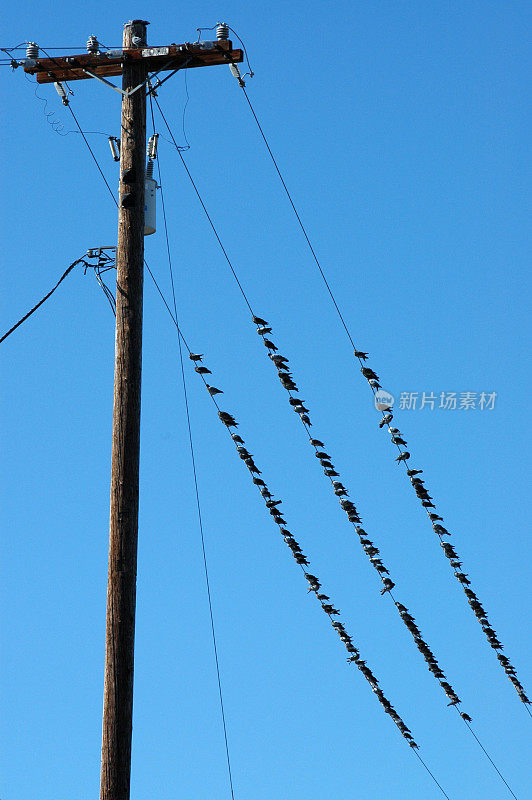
{"x":436,"y":520}
{"x":281,"y":364}
{"x":273,"y":507}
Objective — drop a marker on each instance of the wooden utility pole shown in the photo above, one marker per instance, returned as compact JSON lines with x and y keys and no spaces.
{"x":123,"y":524}
{"x":133,"y":62}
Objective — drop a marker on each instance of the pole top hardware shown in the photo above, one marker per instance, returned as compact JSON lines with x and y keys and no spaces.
{"x":170,"y":57}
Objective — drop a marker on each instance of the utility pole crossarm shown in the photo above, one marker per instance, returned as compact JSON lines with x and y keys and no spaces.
{"x":105,"y":65}
{"x":135,"y":62}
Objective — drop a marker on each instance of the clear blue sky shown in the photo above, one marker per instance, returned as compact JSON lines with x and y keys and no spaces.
{"x":403,"y":132}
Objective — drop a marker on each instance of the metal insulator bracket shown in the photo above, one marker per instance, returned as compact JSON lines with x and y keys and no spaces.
{"x":93,"y":45}
{"x":236,"y":74}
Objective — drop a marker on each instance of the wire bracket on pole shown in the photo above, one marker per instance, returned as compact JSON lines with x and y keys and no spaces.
{"x":112,"y":85}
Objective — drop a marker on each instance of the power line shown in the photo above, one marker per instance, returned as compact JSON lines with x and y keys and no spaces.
{"x":194,"y":471}
{"x":175,"y":318}
{"x":432,"y":776}
{"x":403,"y":454}
{"x":22,"y":46}
{"x":305,"y":234}
{"x":203,"y":205}
{"x":490,"y":759}
{"x":281,"y":365}
{"x":289,"y":384}
{"x":314,"y":584}
{"x":229,"y":422}
{"x":44,"y":299}
{"x":93,"y":157}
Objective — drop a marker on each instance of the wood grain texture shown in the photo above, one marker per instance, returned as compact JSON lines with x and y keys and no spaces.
{"x":123,"y":527}
{"x":70,"y":68}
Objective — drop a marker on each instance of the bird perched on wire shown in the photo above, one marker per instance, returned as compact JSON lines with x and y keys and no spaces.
{"x":227,"y":419}
{"x":270,"y":345}
{"x":313,"y":581}
{"x":369,"y":374}
{"x":454,"y":700}
{"x":403,"y":456}
{"x":285,"y":376}
{"x":202,"y":371}
{"x":449,"y":550}
{"x":398,"y":440}
{"x":195,"y":356}
{"x":259,"y":321}
{"x":441,"y":530}
{"x":385,"y":420}
{"x":361,"y":355}
{"x":213,"y":390}
{"x":278,"y":359}
{"x":287,"y":381}
{"x":329,"y":609}
{"x":264,"y":329}
{"x":273,"y":503}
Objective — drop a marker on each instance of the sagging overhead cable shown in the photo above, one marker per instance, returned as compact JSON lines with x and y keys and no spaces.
{"x":315,"y":586}
{"x":404,"y":455}
{"x":39,"y":304}
{"x":329,"y":469}
{"x":229,"y":419}
{"x":281,"y":364}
